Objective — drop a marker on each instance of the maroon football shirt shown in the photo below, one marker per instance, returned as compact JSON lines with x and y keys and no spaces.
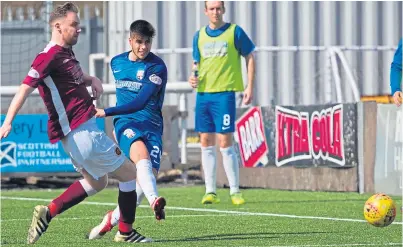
{"x":59,"y":78}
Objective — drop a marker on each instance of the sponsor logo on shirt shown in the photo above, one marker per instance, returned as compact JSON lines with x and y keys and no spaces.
{"x":215,"y":49}
{"x":131,"y":85}
{"x":33,"y":73}
{"x":155,"y":79}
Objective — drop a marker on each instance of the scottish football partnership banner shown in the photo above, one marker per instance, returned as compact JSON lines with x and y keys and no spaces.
{"x":27,"y":147}
{"x":320,"y":135}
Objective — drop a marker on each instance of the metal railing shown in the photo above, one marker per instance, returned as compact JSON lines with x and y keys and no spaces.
{"x":181,"y":88}
{"x":331,"y":64}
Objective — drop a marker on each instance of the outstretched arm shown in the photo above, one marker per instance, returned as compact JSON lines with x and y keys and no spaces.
{"x":15,"y":106}
{"x":137,"y":104}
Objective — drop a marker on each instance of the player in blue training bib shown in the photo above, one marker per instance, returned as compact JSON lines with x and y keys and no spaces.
{"x":140,"y":78}
{"x":217,"y":51}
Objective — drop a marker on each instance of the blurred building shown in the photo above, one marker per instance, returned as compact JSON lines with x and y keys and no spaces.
{"x":292,"y":68}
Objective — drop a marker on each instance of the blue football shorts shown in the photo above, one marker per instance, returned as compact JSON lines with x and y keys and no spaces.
{"x":215,"y":112}
{"x":128,"y":131}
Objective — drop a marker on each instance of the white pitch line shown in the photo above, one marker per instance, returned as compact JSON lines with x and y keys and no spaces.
{"x":209,"y":210}
{"x":137,"y":217}
{"x":337,"y":245}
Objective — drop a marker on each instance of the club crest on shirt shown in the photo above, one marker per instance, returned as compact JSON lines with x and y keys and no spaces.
{"x":129,"y":133}
{"x":140,"y":74}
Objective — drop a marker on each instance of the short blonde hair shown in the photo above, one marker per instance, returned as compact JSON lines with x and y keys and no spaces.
{"x":62,"y":10}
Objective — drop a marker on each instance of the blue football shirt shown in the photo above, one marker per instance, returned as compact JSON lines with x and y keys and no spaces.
{"x":140,"y":88}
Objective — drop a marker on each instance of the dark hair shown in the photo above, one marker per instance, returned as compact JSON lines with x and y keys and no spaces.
{"x":62,"y":10}
{"x":205,"y":4}
{"x":143,"y":28}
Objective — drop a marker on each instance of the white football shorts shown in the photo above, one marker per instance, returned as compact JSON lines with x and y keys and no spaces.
{"x":91,"y":149}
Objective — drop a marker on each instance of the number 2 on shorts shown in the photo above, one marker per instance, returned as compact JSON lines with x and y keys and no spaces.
{"x":155,"y":153}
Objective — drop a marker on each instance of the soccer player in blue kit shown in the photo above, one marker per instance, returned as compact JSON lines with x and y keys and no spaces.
{"x":140,"y":78}
{"x":217,"y":50}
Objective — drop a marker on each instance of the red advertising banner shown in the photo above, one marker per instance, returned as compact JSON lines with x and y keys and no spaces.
{"x":251,"y":139}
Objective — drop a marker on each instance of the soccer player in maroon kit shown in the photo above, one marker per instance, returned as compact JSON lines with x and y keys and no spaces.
{"x":62,"y":85}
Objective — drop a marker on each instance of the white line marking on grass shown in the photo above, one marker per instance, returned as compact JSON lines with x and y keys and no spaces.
{"x":209,"y":210}
{"x":337,"y":245}
{"x":137,"y":217}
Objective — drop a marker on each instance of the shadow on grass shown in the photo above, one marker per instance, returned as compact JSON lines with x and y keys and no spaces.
{"x":240,"y":236}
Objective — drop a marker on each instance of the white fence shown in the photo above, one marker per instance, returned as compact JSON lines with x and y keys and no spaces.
{"x":336,"y":80}
{"x":180,"y":88}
